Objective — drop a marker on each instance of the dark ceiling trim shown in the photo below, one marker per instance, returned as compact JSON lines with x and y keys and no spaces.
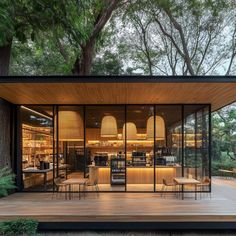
{"x":119,"y":79}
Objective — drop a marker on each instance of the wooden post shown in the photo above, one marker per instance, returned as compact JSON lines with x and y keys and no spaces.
{"x":5,"y":134}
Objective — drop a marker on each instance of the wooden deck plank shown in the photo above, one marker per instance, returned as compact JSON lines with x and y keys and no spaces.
{"x":125,"y":207}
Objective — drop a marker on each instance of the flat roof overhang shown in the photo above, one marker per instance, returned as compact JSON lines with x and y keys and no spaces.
{"x":218,"y":91}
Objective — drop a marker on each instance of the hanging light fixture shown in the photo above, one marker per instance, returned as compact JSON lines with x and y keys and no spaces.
{"x":109,"y":127}
{"x":70,"y":126}
{"x":160,"y":128}
{"x":131,"y":131}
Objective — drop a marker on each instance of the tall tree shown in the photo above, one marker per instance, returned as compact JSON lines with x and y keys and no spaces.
{"x":75,"y":23}
{"x":184,"y":34}
{"x":23,"y":20}
{"x":101,"y":13}
{"x":6,"y":35}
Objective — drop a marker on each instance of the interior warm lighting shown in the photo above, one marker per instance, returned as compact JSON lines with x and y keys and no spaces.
{"x":93,"y":141}
{"x":160,"y":128}
{"x":35,"y":112}
{"x":122,"y":141}
{"x":109,"y":127}
{"x":139,"y":136}
{"x":131,"y":131}
{"x":70,"y":126}
{"x":130,"y":141}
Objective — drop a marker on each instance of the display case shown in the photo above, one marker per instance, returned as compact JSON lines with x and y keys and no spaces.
{"x":117,"y":171}
{"x":139,"y":158}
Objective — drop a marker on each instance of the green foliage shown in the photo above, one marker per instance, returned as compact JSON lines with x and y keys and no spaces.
{"x":180,"y":36}
{"x":38,"y":59}
{"x":6,"y":181}
{"x":6,"y":21}
{"x":223,"y":164}
{"x":19,"y":227}
{"x":62,"y":29}
{"x":107,"y":64}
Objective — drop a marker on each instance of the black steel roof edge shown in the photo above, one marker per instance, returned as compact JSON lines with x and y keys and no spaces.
{"x":115,"y":79}
{"x":136,"y":226}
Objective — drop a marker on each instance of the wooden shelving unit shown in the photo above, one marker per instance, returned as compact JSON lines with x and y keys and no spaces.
{"x":36,"y":144}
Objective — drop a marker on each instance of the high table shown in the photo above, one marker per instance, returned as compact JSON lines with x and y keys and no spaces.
{"x":74,"y":181}
{"x":186,"y":181}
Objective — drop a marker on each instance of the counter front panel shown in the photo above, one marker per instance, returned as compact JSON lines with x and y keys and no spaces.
{"x":138,"y":175}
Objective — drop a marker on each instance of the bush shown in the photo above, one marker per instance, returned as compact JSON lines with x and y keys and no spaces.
{"x":19,"y":227}
{"x":6,"y":181}
{"x":226,"y":165}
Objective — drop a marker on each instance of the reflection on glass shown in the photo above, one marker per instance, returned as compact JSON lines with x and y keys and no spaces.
{"x":37,"y":148}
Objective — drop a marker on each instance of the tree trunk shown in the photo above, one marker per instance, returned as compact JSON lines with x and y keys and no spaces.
{"x":5,"y":53}
{"x":83,"y":64}
{"x":5,"y":134}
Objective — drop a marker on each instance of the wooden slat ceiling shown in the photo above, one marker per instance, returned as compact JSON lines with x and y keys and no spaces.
{"x":218,"y":94}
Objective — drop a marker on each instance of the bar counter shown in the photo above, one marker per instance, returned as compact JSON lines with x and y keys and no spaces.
{"x":137,"y":174}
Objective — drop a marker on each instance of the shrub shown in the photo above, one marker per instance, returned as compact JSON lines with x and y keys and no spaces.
{"x":226,"y":165}
{"x":19,"y":227}
{"x":6,"y":181}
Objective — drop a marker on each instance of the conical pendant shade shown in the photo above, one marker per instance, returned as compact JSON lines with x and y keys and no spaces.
{"x":70,"y":126}
{"x":131,"y":131}
{"x":109,"y":127}
{"x":160,"y":128}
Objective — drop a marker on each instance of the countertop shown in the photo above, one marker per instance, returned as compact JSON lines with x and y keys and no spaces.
{"x":137,"y":167}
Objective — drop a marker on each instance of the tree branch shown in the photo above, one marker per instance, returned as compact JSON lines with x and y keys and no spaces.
{"x":104,"y":17}
{"x":233,"y":51}
{"x":184,"y":44}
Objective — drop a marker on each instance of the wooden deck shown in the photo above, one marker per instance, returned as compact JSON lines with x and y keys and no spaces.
{"x":125,"y":207}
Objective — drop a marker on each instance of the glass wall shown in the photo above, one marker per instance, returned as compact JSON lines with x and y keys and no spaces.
{"x":196,"y":143}
{"x":37,"y":147}
{"x":139,"y":135}
{"x":70,"y":159}
{"x":115,"y":147}
{"x":168,"y":145}
{"x":105,"y":146}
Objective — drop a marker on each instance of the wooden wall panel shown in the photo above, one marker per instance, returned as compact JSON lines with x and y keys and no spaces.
{"x":136,"y":175}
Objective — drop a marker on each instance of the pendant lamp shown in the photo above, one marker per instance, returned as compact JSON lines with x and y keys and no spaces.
{"x":70,"y":125}
{"x":109,"y":127}
{"x":160,"y":128}
{"x":131,"y":131}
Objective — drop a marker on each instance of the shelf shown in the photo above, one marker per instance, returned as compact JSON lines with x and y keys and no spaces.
{"x":36,"y":141}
